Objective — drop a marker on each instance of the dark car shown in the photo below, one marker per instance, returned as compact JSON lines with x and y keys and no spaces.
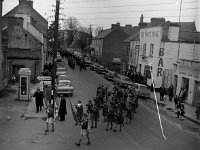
{"x":93,"y":66}
{"x":122,"y":81}
{"x":109,"y":75}
{"x":101,"y":69}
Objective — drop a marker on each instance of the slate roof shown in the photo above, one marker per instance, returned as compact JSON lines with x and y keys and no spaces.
{"x":103,"y":34}
{"x":134,"y":37}
{"x":23,"y":53}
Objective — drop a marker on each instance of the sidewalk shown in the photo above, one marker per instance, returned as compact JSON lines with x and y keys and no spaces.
{"x":31,"y":108}
{"x":170,"y":107}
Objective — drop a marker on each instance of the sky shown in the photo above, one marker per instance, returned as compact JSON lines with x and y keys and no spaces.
{"x":103,"y":13}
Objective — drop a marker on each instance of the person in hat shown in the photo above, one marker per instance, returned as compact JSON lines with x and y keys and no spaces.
{"x":62,"y":110}
{"x":38,"y":99}
{"x":85,"y":129}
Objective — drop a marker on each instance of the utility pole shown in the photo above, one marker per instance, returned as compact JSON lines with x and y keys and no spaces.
{"x":54,"y":60}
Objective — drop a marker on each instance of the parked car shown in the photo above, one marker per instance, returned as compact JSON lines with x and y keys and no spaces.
{"x":65,"y":87}
{"x":63,"y":77}
{"x":109,"y":75}
{"x":87,"y":61}
{"x":93,"y":66}
{"x":141,"y":89}
{"x":122,"y":81}
{"x":61,"y":71}
{"x":101,"y":69}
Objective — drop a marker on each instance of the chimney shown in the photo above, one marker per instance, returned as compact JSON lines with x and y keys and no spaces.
{"x":142,"y":24}
{"x":113,"y":26}
{"x":30,"y":3}
{"x":173,"y":32}
{"x":157,"y":21}
{"x":22,"y":1}
{"x":128,"y":26}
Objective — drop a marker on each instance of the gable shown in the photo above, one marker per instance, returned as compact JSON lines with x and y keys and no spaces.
{"x":37,"y":20}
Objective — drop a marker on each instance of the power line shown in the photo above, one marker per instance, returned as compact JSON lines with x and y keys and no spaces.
{"x":142,"y":11}
{"x":113,"y":6}
{"x":134,"y":18}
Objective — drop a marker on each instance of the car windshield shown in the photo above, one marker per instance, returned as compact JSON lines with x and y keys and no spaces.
{"x":143,"y":88}
{"x":126,"y":78}
{"x":67,"y":83}
{"x":60,"y":69}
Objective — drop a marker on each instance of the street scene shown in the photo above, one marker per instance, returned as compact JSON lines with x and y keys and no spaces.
{"x":124,"y":85}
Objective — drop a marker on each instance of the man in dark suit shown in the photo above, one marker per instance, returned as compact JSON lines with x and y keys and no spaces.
{"x":162,"y":93}
{"x":38,"y":99}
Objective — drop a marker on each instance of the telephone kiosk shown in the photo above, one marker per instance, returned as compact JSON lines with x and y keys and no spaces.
{"x":24,"y":84}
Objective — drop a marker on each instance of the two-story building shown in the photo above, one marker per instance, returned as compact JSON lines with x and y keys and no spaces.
{"x":188,"y":77}
{"x":31,"y":26}
{"x":108,"y":45}
{"x":3,"y":57}
{"x":162,"y":46}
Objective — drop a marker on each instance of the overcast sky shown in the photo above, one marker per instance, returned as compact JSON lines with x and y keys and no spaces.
{"x":106,"y":12}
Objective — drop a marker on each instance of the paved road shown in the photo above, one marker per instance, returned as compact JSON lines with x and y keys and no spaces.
{"x":143,"y":134}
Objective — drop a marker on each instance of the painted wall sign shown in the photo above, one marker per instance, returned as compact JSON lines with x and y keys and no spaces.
{"x":160,"y":62}
{"x":152,"y":33}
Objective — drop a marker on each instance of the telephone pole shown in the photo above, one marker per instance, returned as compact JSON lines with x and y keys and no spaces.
{"x":54,"y":60}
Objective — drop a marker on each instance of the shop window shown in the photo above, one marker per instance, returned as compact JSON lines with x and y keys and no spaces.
{"x":151,"y":49}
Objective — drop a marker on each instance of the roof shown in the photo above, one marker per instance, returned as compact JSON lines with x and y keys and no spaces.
{"x":128,"y":30}
{"x":23,"y":53}
{"x":184,"y":26}
{"x":134,"y":37}
{"x":18,"y":9}
{"x":103,"y":34}
{"x":184,"y":36}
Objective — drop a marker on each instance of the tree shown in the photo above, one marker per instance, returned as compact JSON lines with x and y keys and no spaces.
{"x":71,"y":25}
{"x":98,"y":30}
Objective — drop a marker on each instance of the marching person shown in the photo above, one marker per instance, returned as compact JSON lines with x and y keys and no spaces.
{"x":95,"y":116}
{"x":89,"y":108}
{"x":79,"y":108}
{"x":62,"y":110}
{"x":38,"y":99}
{"x":50,"y":117}
{"x":85,"y":129}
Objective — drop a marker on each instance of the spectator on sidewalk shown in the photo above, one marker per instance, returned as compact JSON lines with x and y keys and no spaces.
{"x":183,"y":94}
{"x":38,"y":99}
{"x":162,"y":93}
{"x":176,"y":101}
{"x":197,"y":112}
{"x":171,"y":92}
{"x":62,"y":109}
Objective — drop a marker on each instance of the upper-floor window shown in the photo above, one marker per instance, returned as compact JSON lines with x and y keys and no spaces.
{"x":144,"y":49}
{"x":151,"y":49}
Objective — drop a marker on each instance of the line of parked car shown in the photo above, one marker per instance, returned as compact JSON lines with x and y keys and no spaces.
{"x":120,"y":80}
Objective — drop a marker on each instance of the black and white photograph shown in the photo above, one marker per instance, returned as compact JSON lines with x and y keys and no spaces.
{"x":99,"y":75}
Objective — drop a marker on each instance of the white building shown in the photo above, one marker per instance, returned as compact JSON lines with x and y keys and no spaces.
{"x":187,"y":76}
{"x":161,"y":47}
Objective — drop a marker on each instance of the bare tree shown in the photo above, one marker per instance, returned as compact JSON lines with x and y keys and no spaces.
{"x":98,"y":30}
{"x":71,"y":25}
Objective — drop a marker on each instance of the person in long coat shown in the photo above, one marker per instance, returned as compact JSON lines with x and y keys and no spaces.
{"x":38,"y":99}
{"x":62,"y":110}
{"x":171,"y":92}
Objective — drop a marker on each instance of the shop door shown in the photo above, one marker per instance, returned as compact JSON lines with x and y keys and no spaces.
{"x":15,"y":70}
{"x":196,"y":100}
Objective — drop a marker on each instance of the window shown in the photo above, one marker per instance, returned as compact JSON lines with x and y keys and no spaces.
{"x":144,"y":49}
{"x":151,"y":49}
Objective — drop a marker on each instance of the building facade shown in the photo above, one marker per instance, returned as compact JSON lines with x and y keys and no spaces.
{"x":3,"y":57}
{"x":188,"y":77}
{"x":160,"y":50}
{"x":33,"y":26}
